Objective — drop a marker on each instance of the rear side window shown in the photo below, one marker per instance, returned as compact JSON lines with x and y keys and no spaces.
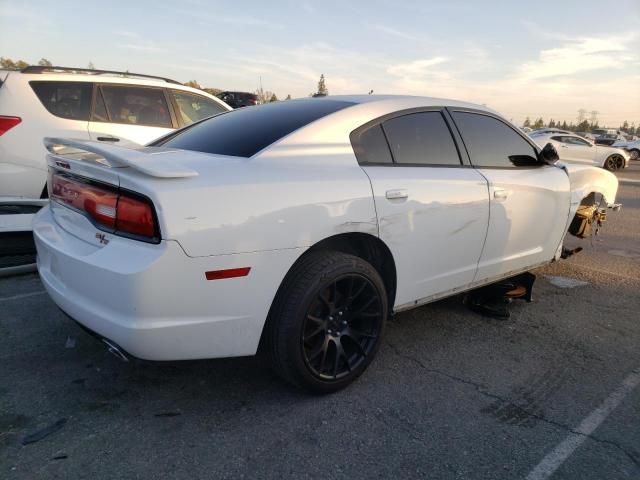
{"x":370,"y":146}
{"x":246,"y":131}
{"x":195,"y":107}
{"x":421,"y":139}
{"x":70,"y":100}
{"x":492,"y":143}
{"x":136,"y":105}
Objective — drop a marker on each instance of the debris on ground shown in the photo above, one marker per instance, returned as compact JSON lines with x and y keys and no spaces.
{"x":44,"y":432}
{"x":565,"y":282}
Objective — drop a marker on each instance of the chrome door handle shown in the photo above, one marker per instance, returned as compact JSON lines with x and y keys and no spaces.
{"x":564,"y":146}
{"x":500,"y":194}
{"x":396,"y":194}
{"x":108,"y":139}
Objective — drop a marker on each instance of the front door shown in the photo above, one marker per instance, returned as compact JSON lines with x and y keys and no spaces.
{"x":529,"y":200}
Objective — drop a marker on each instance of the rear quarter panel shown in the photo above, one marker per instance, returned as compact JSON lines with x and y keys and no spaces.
{"x":240,"y":205}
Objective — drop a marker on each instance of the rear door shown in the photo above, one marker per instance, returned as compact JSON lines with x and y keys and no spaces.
{"x":530,"y":200}
{"x":432,"y":209}
{"x":126,"y":114}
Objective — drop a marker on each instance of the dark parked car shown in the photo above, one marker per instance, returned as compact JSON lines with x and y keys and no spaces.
{"x":238,"y":99}
{"x":609,"y":139}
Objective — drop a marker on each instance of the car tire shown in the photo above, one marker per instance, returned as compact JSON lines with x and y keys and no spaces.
{"x":614,"y":162}
{"x":634,"y":154}
{"x":327,"y":321}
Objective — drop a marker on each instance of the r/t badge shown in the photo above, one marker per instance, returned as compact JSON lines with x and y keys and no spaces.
{"x":103,"y":239}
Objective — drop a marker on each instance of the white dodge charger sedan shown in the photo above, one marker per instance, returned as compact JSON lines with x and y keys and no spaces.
{"x":300,"y":226}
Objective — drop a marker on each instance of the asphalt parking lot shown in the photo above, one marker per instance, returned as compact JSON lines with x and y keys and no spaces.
{"x":551,"y":391}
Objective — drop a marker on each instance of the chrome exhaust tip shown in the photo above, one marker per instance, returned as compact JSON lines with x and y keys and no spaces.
{"x":115,"y":350}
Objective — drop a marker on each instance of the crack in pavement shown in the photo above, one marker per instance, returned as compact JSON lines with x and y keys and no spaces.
{"x":482,"y":389}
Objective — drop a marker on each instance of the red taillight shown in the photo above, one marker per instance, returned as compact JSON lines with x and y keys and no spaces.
{"x":7,"y":123}
{"x":115,"y":210}
{"x":135,"y":216}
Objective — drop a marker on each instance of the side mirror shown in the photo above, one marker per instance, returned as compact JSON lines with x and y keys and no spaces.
{"x":549,"y":154}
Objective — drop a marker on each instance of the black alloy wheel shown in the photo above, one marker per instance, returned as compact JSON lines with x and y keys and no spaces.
{"x":342,"y":326}
{"x":614,"y":162}
{"x":327,"y":321}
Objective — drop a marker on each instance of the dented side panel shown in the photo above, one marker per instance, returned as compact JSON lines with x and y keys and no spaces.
{"x":585,"y":180}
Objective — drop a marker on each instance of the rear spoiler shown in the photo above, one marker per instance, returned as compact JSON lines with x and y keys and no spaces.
{"x":144,"y":159}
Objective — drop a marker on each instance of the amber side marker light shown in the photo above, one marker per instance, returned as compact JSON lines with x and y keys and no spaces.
{"x":229,"y":273}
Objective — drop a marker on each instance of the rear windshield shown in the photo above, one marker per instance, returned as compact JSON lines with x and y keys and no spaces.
{"x":246,"y":131}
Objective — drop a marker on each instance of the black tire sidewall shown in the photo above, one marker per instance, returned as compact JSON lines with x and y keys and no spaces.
{"x":297,"y":306}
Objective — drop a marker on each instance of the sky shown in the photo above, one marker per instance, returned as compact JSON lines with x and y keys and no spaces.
{"x":538,"y":59}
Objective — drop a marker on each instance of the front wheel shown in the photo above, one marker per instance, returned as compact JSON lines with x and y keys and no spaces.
{"x":634,"y":154}
{"x":327,"y":323}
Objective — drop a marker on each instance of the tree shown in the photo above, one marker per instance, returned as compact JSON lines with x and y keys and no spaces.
{"x":288,"y":96}
{"x":564,"y":125}
{"x":527,"y":122}
{"x":583,"y":126}
{"x":192,"y":84}
{"x":625,"y":126}
{"x":552,"y":124}
{"x":322,"y":87}
{"x":91,"y":66}
{"x":11,"y":65}
{"x":7,"y":63}
{"x":212,"y":91}
{"x":273,"y":98}
{"x":539,"y":123}
{"x":43,"y":62}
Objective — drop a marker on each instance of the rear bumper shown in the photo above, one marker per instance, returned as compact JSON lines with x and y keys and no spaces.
{"x":153,"y":300}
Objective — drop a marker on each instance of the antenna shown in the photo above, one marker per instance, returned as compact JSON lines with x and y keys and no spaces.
{"x":581,"y":114}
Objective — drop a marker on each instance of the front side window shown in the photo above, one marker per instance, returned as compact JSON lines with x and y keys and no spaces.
{"x":70,"y":100}
{"x":136,"y":105}
{"x":492,"y":143}
{"x":421,"y":139}
{"x":195,"y":107}
{"x":577,"y":141}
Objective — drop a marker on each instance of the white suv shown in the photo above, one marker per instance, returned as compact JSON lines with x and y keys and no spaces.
{"x":112,"y":107}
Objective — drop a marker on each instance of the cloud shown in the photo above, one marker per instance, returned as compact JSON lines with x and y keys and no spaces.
{"x":396,"y":33}
{"x":142,"y":47}
{"x":417,"y":68}
{"x":580,"y":55}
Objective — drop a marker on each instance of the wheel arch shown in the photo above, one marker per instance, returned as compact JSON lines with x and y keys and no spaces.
{"x":363,"y":245}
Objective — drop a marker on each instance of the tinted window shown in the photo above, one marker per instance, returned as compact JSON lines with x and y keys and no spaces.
{"x":137,"y":105}
{"x":492,"y":143}
{"x":421,"y":138}
{"x":576,"y":141}
{"x":244,"y":132}
{"x":99,"y":109}
{"x":196,"y":107}
{"x":65,"y":99}
{"x":370,"y":146}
